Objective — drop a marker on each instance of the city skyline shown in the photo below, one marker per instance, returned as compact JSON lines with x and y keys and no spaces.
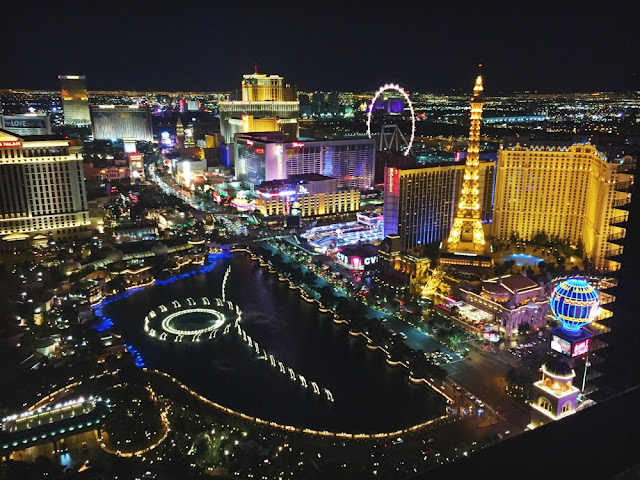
{"x":202,"y":276}
{"x":423,"y":50}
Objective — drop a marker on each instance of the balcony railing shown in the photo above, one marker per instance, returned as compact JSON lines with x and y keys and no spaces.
{"x":620,"y":202}
{"x":597,"y":344}
{"x":591,"y":374}
{"x":604,"y":314}
{"x":606,"y":298}
{"x":626,"y":167}
{"x":613,"y":252}
{"x":619,"y":219}
{"x":608,"y":282}
{"x":621,"y":186}
{"x":598,"y":329}
{"x":616,"y":236}
{"x":590,"y":388}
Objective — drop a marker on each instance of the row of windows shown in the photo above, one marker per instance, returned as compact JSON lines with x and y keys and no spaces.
{"x":33,"y":152}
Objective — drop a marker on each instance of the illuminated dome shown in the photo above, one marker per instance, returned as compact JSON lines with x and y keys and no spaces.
{"x":115,"y":255}
{"x":574,"y":303}
{"x":70,"y":266}
{"x":558,"y":368}
{"x":196,"y":240}
{"x":159,"y":249}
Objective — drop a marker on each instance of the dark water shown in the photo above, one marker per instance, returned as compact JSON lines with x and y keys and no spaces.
{"x":370,"y":396}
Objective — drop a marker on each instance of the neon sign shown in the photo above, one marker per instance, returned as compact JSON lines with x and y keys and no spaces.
{"x":297,"y":145}
{"x":581,"y":348}
{"x":391,"y":179}
{"x":371,"y":260}
{"x":259,"y":150}
{"x":356,"y":261}
{"x":11,"y":144}
{"x":250,"y":143}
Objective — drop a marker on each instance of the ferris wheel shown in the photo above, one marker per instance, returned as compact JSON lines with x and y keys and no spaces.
{"x":399,"y":89}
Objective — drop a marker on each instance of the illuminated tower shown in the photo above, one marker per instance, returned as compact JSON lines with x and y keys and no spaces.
{"x":574,"y":303}
{"x":75,"y":100}
{"x":180,"y":133}
{"x":555,"y":397}
{"x":467,"y":225}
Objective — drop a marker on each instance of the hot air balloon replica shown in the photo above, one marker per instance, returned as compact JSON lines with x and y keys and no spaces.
{"x":574,"y":303}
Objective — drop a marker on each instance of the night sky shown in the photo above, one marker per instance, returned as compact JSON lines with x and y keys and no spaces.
{"x":207,"y":46}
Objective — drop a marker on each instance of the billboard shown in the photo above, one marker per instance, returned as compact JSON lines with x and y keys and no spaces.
{"x":28,"y":124}
{"x":136,"y":166}
{"x":580,"y":348}
{"x":560,"y":345}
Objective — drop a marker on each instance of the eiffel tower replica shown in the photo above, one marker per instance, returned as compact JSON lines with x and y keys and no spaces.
{"x":467,"y":235}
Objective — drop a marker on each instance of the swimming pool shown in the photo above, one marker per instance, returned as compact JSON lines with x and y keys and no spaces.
{"x":522,"y":259}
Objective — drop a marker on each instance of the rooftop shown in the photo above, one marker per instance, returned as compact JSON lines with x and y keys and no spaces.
{"x":509,"y":284}
{"x":280,"y":137}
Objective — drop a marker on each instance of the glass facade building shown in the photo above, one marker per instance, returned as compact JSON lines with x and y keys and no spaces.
{"x":267,"y":156}
{"x":115,"y":122}
{"x":75,"y":100}
{"x":419,"y":201}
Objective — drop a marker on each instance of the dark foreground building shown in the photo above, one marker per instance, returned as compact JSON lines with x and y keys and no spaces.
{"x":597,"y":443}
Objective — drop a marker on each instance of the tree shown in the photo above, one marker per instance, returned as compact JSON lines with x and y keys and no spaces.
{"x":541,"y":238}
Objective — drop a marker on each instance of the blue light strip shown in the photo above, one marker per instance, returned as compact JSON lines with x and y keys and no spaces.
{"x":106,"y":322}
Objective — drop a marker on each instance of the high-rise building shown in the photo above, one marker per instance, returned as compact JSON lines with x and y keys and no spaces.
{"x":115,"y":122}
{"x":309,"y":194}
{"x":333,"y":103}
{"x":75,"y":100}
{"x":42,"y":188}
{"x":231,"y":114}
{"x":272,"y":156}
{"x":259,"y":87}
{"x":318,"y":103}
{"x":419,"y":201}
{"x":570,"y":192}
{"x":467,"y":234}
{"x":263,"y":97}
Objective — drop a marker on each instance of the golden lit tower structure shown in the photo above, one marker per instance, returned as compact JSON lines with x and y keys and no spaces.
{"x":466,"y":233}
{"x":75,"y":100}
{"x":259,"y":87}
{"x":267,"y":105}
{"x":573,"y":192}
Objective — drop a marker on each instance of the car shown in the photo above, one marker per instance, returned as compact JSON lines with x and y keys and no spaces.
{"x":403,"y":335}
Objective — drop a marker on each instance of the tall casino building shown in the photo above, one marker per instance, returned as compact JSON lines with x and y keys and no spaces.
{"x":42,"y":190}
